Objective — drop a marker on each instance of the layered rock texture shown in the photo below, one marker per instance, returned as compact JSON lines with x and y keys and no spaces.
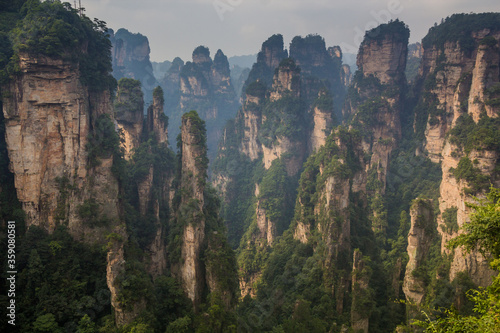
{"x":287,"y":113}
{"x":104,"y":171}
{"x":128,"y":107}
{"x":360,"y":285}
{"x":460,"y":77}
{"x":374,"y":106}
{"x":49,"y":118}
{"x":420,"y":238}
{"x":201,"y":243}
{"x":192,"y":180}
{"x":331,"y":223}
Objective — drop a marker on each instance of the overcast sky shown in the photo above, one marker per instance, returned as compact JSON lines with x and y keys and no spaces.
{"x":238,"y":27}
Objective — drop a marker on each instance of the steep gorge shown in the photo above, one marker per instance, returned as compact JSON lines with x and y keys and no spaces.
{"x":331,"y":223}
{"x":94,"y":172}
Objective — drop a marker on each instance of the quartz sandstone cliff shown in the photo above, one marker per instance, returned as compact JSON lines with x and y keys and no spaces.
{"x":48,"y":118}
{"x":459,"y":82}
{"x":420,"y":238}
{"x":193,"y":183}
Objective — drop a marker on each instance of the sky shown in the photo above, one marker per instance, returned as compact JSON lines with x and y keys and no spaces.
{"x":239,"y":27}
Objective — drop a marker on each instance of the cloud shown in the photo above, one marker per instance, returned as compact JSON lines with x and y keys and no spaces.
{"x":176,"y":27}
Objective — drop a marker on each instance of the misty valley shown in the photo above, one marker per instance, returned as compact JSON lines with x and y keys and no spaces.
{"x":300,"y":189}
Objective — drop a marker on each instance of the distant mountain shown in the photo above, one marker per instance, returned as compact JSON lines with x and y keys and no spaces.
{"x":243,"y":61}
{"x":160,"y":69}
{"x":350,"y":59}
{"x":130,"y":59}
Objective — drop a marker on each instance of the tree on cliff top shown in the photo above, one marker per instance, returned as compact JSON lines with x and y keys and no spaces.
{"x":56,"y":30}
{"x":397,"y":28}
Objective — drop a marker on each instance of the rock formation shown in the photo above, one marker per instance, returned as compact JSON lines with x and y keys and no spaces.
{"x":128,"y":107}
{"x":94,"y":173}
{"x":203,"y":85}
{"x":360,"y":294}
{"x":459,"y":81}
{"x":170,"y":84}
{"x":130,"y":59}
{"x":269,"y":57}
{"x":375,"y":104}
{"x":49,"y":117}
{"x":157,"y":122}
{"x":420,"y":238}
{"x":199,"y":240}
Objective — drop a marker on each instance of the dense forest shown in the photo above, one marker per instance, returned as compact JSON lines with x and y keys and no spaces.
{"x":333,"y":202}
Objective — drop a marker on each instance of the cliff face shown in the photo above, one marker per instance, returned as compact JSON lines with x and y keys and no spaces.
{"x":129,"y":113}
{"x":205,"y":260}
{"x":269,"y":58}
{"x":157,"y":122}
{"x":459,"y":85}
{"x":323,"y":120}
{"x":384,"y":57}
{"x":285,"y":89}
{"x":170,"y":84}
{"x":52,"y":122}
{"x":252,"y":120}
{"x":374,"y":106}
{"x":287,"y":113}
{"x":420,"y":238}
{"x":192,"y":179}
{"x":49,"y":117}
{"x":360,"y":282}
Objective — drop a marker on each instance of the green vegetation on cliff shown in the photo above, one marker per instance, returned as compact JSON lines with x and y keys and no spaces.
{"x":481,"y":233}
{"x":459,"y":28}
{"x":396,"y":30}
{"x":56,"y":30}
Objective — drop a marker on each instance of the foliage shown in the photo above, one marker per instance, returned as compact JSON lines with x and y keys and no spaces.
{"x":324,"y":102}
{"x":199,"y":138}
{"x":180,"y":325}
{"x":135,"y":284}
{"x":492,"y":94}
{"x":257,"y":89}
{"x":396,"y":30}
{"x":158,"y":95}
{"x":412,"y":67}
{"x":46,"y":323}
{"x":285,"y":117}
{"x":469,"y":135}
{"x":201,"y":50}
{"x":215,"y":318}
{"x":450,"y":220}
{"x":260,"y":71}
{"x":129,"y":96}
{"x":276,"y":194}
{"x":89,"y":212}
{"x":459,"y":28}
{"x":481,"y":233}
{"x":467,"y":171}
{"x":56,"y":30}
{"x":172,"y":307}
{"x":134,"y":40}
{"x":218,"y":256}
{"x":61,"y":280}
{"x":288,"y":64}
{"x":103,"y":141}
{"x":239,"y":209}
{"x":275,"y":41}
